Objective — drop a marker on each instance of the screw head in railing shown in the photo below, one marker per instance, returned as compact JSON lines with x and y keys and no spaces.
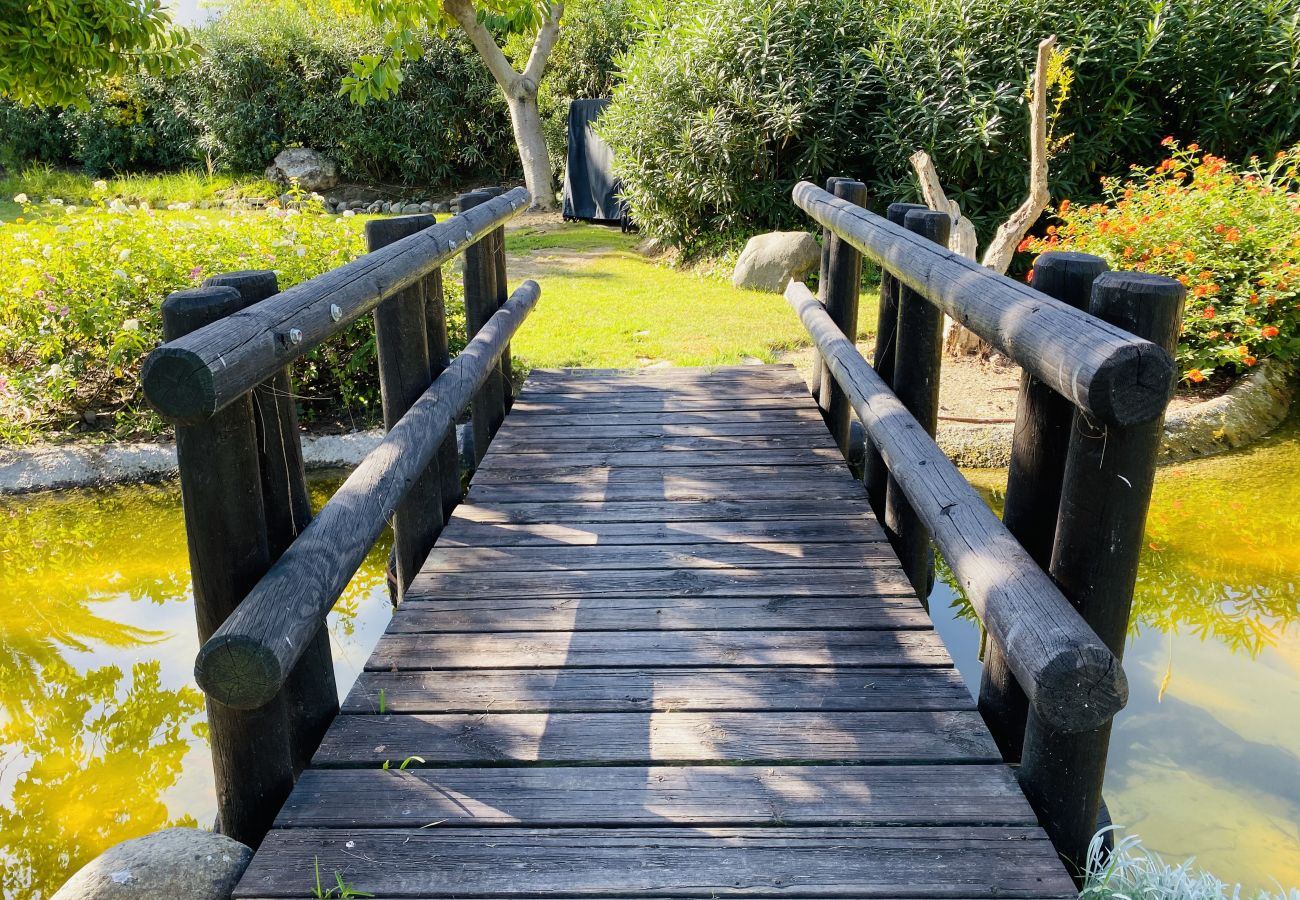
{"x":335,"y":312}
{"x":295,"y":335}
{"x":469,"y":235}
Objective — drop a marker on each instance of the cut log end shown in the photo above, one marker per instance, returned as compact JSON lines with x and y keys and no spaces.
{"x":238,"y":672}
{"x":1132,"y":386}
{"x":178,"y":384}
{"x":1080,"y":688}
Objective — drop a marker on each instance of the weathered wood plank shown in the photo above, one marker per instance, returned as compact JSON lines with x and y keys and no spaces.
{"x":896,"y":862}
{"x":502,"y":466}
{"x":621,"y":649}
{"x":665,"y":556}
{"x":541,"y":405}
{"x":746,"y":509}
{"x":777,"y":417}
{"x":786,"y":583}
{"x":557,"y":796}
{"x":657,"y":688}
{"x":631,"y":739}
{"x":663,"y":377}
{"x":722,"y":482}
{"x":467,"y":529}
{"x":678,"y":470}
{"x":666,"y":614}
{"x":507,"y":444}
{"x":811,"y":428}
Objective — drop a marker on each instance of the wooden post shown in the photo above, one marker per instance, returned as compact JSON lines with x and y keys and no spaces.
{"x":1109,"y":471}
{"x":225,"y":529}
{"x":1039,"y":445}
{"x":310,"y":694}
{"x":817,"y":380}
{"x":840,"y":295}
{"x":874,"y":474}
{"x":916,"y":382}
{"x":402,"y":345}
{"x":487,"y":409}
{"x":447,"y":459}
{"x":498,"y":238}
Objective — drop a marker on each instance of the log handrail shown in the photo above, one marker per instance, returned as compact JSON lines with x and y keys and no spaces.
{"x":1117,"y":378}
{"x":189,"y":379}
{"x":1070,"y":676}
{"x":245,"y":663}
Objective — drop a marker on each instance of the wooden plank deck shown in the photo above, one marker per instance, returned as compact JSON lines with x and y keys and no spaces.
{"x":662,"y":650}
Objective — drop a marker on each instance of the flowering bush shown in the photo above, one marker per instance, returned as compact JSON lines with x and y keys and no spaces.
{"x":81,"y":287}
{"x":1230,"y":234}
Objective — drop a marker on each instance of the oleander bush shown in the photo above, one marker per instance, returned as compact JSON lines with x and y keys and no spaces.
{"x":269,"y":78}
{"x":80,"y":292}
{"x":724,"y":104}
{"x":1230,"y":233}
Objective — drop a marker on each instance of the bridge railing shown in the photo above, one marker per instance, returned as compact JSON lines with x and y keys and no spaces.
{"x":265,"y":572}
{"x":1052,"y":583}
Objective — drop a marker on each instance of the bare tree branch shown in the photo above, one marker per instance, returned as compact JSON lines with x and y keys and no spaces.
{"x":467,"y":18}
{"x":1002,"y":248}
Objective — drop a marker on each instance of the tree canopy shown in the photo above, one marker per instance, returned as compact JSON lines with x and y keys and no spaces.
{"x":52,"y":50}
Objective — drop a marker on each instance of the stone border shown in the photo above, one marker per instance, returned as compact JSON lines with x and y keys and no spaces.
{"x":1247,"y":411}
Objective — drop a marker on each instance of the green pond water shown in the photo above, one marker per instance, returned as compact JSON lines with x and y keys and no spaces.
{"x":102,"y":734}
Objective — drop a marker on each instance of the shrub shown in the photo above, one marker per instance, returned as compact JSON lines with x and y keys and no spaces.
{"x":80,"y":290}
{"x":726,"y":103}
{"x":45,"y":183}
{"x":270,"y":79}
{"x":1230,"y":234}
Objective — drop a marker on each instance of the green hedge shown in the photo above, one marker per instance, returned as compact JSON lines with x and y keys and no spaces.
{"x":726,"y":103}
{"x":269,"y":79}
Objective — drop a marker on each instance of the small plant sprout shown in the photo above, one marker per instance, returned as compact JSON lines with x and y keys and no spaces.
{"x":406,"y":762}
{"x":341,"y":888}
{"x":383,"y":702}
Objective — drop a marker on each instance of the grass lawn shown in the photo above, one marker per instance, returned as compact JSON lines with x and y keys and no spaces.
{"x":605,"y":306}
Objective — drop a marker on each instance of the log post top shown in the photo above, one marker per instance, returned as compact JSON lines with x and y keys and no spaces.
{"x":1107,"y":372}
{"x":191,"y":377}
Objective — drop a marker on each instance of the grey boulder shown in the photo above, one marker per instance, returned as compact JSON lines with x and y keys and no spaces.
{"x":771,"y":261}
{"x":314,"y":170}
{"x":173,"y":864}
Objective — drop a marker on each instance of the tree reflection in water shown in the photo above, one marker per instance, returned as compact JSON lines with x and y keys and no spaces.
{"x":98,"y":711}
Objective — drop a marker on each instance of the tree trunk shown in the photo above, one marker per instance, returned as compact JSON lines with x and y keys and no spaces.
{"x":526,"y":120}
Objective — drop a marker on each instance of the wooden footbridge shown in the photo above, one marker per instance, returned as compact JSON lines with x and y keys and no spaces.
{"x":668,"y":644}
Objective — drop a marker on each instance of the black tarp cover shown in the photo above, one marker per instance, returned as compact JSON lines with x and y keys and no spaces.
{"x":590,"y":188}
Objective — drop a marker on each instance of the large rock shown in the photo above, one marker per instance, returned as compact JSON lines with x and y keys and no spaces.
{"x":314,"y":170}
{"x":769,"y":262}
{"x":174,"y":864}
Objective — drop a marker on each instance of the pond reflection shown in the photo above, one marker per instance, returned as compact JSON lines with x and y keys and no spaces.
{"x":102,"y":735}
{"x":1205,"y":760}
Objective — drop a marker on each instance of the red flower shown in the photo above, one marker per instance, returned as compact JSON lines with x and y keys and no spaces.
{"x":1208,"y":313}
{"x":1196,"y":375}
{"x":1269,"y":332}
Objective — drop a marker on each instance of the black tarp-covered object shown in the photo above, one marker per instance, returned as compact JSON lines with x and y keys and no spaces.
{"x":590,"y":189}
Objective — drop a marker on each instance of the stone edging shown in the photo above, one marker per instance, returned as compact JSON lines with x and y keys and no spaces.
{"x":1246,"y":412}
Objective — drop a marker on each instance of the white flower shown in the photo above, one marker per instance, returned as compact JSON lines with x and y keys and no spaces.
{"x":62,"y":229}
{"x":54,"y":371}
{"x":118,"y":273}
{"x":20,"y":198}
{"x":349,"y":213}
{"x":56,"y":202}
{"x":100,"y":185}
{"x":27,"y":261}
{"x":131,"y":325}
{"x":124,"y":255}
{"x":117,"y":206}
{"x":300,"y":251}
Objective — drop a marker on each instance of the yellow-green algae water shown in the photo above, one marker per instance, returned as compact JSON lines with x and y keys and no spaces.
{"x":1205,"y":759}
{"x":102,"y":736}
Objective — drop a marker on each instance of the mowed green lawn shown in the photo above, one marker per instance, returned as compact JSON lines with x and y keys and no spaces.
{"x":603,"y":305}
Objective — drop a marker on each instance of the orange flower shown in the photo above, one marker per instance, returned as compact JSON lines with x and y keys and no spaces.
{"x":1231,"y":235}
{"x":1208,"y":312}
{"x":1065,"y":206}
{"x":1250,"y":320}
{"x":1250,"y":360}
{"x":1269,"y":332}
{"x":1218,"y":229}
{"x":1193,"y":147}
{"x":1196,"y":375}
{"x":1025,"y":245}
{"x":1243,"y":350}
